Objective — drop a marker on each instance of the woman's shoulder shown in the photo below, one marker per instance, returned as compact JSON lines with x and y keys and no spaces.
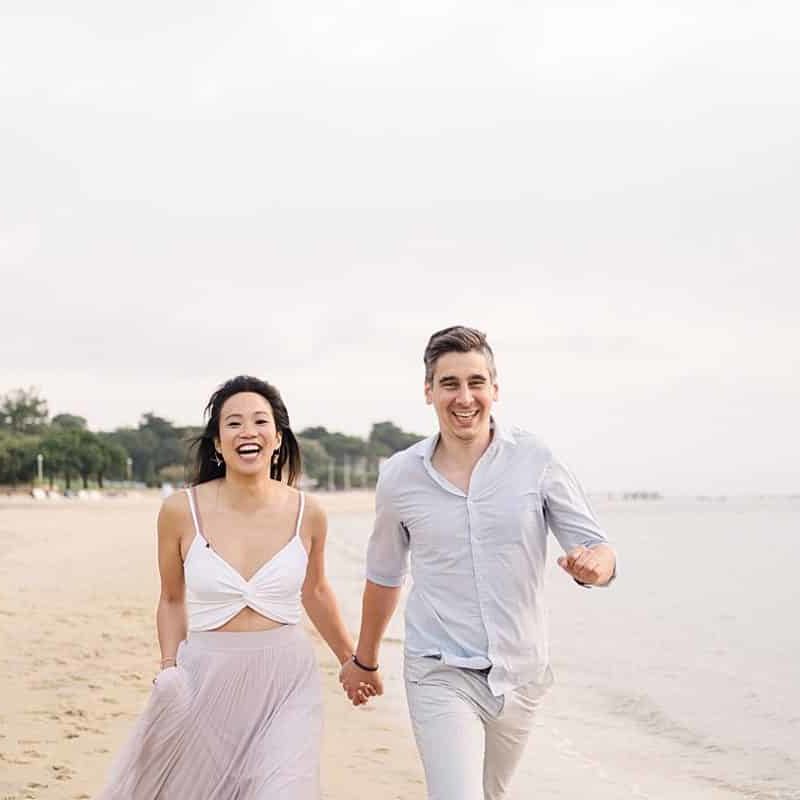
{"x":175,"y":510}
{"x":313,"y":511}
{"x":206,"y":489}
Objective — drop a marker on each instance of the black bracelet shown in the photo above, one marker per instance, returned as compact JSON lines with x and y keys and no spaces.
{"x":361,"y":666}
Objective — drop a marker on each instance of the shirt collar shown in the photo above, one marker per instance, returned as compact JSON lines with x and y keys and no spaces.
{"x":501,"y":434}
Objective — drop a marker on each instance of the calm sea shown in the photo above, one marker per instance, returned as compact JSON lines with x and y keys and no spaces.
{"x":681,"y":681}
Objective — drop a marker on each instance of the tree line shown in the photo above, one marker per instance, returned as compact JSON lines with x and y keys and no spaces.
{"x":156,"y":450}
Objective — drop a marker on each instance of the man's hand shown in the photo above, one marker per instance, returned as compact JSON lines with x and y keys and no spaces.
{"x":359,"y":684}
{"x":591,"y":565}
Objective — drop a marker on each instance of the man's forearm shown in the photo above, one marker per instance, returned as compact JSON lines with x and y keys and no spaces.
{"x":378,"y":605}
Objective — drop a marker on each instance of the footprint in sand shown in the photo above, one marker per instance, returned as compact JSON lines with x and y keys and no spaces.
{"x":88,"y":729}
{"x":9,"y":759}
{"x":62,"y":772}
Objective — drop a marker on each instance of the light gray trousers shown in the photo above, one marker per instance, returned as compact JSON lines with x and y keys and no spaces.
{"x":470,"y":741}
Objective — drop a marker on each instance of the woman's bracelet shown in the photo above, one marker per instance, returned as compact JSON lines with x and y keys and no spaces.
{"x":362,"y":666}
{"x":170,"y":660}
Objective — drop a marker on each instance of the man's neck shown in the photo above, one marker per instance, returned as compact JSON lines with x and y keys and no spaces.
{"x":460,"y":453}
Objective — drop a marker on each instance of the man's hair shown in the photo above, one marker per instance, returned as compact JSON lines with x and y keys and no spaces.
{"x":456,"y":339}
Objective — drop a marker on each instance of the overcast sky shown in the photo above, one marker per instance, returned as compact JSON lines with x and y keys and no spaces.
{"x":305,"y":191}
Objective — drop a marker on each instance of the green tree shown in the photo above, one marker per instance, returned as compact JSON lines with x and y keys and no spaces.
{"x":61,"y":450}
{"x":154,"y":445}
{"x":315,"y":460}
{"x":88,"y":454}
{"x":386,"y":436}
{"x":23,"y":411}
{"x":17,"y":458}
{"x":69,"y":422}
{"x":141,"y":446}
{"x":113,"y":460}
{"x":338,"y":445}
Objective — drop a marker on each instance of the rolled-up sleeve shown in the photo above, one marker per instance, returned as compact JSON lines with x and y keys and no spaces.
{"x":567,"y":509}
{"x":387,"y":552}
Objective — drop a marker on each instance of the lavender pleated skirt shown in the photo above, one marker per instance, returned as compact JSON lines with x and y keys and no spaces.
{"x":239,"y":718}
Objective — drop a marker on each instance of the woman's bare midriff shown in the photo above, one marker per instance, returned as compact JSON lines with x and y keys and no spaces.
{"x":249,"y":621}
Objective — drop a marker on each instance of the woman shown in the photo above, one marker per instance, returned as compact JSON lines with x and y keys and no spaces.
{"x":236,"y":711}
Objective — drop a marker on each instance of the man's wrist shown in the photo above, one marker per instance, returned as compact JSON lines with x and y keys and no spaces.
{"x":366,"y":655}
{"x":372,"y":667}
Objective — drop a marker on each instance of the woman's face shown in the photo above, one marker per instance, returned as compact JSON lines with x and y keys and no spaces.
{"x":247,"y":433}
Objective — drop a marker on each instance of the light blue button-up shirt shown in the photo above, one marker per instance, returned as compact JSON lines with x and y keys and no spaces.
{"x":478,"y":558}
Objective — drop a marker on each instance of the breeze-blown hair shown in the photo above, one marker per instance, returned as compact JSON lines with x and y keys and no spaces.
{"x":205,"y":466}
{"x":456,"y":339}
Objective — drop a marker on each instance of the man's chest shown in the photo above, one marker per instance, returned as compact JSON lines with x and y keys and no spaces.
{"x":447,"y":525}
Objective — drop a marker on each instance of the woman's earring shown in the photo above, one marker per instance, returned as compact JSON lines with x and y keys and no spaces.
{"x":275,"y":454}
{"x":217,"y":459}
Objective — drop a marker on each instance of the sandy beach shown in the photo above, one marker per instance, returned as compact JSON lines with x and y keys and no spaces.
{"x":77,"y":654}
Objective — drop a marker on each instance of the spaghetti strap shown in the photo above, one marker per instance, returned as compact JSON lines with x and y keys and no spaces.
{"x":300,"y":514}
{"x":190,"y":494}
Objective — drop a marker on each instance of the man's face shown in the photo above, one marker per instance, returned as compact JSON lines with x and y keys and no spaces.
{"x":462,"y":392}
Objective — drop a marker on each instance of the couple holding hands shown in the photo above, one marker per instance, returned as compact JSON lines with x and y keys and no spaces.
{"x":236,"y":710}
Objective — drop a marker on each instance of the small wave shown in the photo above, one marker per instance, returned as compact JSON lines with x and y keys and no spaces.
{"x":649,"y":715}
{"x":754,"y":792}
{"x":646,"y":713}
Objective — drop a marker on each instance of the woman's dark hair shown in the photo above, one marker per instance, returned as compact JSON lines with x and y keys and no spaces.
{"x":205,"y":467}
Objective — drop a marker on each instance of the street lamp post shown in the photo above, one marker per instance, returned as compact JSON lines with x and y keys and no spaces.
{"x":129,"y":465}
{"x":40,"y":467}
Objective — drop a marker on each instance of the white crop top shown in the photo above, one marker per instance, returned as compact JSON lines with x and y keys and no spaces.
{"x":216,"y":592}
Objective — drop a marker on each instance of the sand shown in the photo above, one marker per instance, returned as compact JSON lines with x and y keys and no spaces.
{"x":78,"y":589}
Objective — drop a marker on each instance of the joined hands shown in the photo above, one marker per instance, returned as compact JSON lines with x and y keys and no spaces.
{"x":359,"y":684}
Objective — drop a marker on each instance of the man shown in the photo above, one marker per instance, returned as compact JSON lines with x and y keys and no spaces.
{"x":471,"y":506}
